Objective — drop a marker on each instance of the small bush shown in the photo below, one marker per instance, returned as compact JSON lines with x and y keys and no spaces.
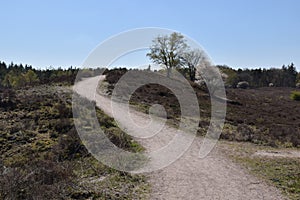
{"x":41,"y":178}
{"x":243,"y":85}
{"x":295,"y":95}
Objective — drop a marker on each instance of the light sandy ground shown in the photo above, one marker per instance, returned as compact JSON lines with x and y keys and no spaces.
{"x":282,"y":153}
{"x":214,"y":177}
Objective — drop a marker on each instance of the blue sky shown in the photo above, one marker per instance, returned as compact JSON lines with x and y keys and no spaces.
{"x":239,"y":33}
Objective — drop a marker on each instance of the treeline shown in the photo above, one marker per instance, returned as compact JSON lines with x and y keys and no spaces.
{"x":19,"y":75}
{"x":287,"y":76}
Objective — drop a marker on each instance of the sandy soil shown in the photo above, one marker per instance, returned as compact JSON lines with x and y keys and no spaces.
{"x":282,"y":153}
{"x":189,"y":177}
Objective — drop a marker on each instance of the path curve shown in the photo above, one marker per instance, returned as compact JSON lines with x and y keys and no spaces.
{"x":189,"y":177}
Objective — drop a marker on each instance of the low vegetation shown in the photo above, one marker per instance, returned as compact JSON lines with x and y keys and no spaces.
{"x":265,"y":116}
{"x":283,"y":172}
{"x":295,"y":95}
{"x":42,"y":156}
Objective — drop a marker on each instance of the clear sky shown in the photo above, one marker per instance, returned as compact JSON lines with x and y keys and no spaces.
{"x":239,"y":33}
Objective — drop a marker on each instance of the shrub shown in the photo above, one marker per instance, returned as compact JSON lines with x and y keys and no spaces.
{"x":69,"y":146}
{"x":295,"y":95}
{"x":243,"y":85}
{"x":37,"y":179}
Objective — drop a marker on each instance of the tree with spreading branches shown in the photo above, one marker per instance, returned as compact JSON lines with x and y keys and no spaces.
{"x":168,"y":50}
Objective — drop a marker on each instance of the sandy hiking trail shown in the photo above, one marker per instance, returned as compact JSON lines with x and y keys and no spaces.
{"x":189,"y":177}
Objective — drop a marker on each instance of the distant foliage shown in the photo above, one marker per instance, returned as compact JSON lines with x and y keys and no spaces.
{"x":295,"y":95}
{"x":287,"y":76}
{"x":17,"y":76}
{"x":31,"y":77}
{"x":113,"y":75}
{"x":298,"y":78}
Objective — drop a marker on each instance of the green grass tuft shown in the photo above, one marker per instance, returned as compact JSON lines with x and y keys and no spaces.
{"x":295,"y":95}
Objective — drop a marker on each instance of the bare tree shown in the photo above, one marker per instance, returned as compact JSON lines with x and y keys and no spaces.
{"x":168,"y":50}
{"x":209,"y":75}
{"x":192,"y":59}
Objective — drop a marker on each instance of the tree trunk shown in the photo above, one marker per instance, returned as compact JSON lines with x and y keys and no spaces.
{"x":192,"y":73}
{"x":168,"y":72}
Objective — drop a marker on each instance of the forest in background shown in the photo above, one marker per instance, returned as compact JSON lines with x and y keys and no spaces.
{"x":19,"y":75}
{"x":286,"y":76}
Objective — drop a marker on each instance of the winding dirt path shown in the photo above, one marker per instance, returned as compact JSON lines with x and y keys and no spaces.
{"x":189,"y":177}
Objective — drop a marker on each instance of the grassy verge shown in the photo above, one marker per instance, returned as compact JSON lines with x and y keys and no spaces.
{"x":282,"y":172}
